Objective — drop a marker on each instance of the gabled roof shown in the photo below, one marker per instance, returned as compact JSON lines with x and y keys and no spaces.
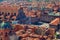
{"x":55,"y":21}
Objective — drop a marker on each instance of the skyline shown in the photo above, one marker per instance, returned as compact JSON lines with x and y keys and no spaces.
{"x":30,"y":0}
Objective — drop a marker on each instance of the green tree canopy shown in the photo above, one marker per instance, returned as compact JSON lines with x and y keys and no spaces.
{"x":29,"y":0}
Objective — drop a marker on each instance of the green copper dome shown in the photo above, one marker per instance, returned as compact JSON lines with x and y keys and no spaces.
{"x":5,"y":25}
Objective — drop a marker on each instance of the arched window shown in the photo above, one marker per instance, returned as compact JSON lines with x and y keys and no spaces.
{"x":14,"y":14}
{"x":2,"y":13}
{"x":8,"y":13}
{"x":0,"y":17}
{"x":5,"y":14}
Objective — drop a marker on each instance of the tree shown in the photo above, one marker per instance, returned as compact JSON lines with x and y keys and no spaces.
{"x":29,"y":0}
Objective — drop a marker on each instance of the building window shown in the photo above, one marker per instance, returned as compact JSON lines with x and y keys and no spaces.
{"x":2,"y":13}
{"x":8,"y":13}
{"x":14,"y":14}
